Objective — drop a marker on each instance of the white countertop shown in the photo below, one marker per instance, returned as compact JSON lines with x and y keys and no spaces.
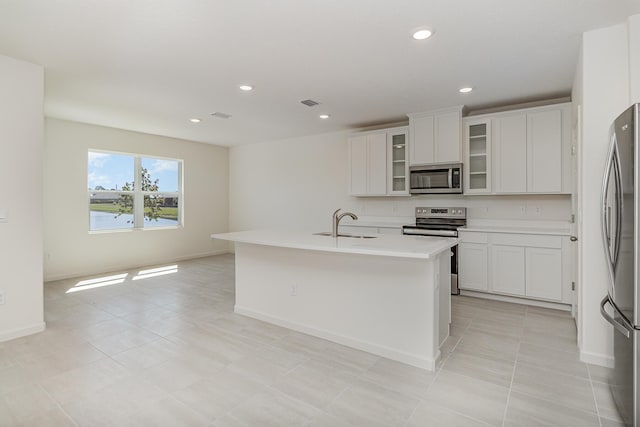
{"x":422,"y":247}
{"x":379,"y":221}
{"x":550,"y":228}
{"x":517,"y":230}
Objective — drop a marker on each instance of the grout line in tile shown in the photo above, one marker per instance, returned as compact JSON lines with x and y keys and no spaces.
{"x":59,"y":406}
{"x":513,"y":375}
{"x":593,"y":393}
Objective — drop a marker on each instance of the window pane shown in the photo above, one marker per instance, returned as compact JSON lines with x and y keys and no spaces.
{"x":110,"y":171}
{"x":109,"y":211}
{"x":160,"y":172}
{"x":160,"y":210}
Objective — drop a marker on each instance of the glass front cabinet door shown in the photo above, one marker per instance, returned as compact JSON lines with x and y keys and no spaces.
{"x":477,"y":165}
{"x":398,"y":167}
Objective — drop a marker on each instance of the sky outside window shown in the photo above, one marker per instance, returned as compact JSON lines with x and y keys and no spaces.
{"x":112,"y":171}
{"x":166,"y":171}
{"x":109,"y":171}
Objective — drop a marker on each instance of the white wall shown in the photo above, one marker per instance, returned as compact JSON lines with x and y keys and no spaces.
{"x":602,"y":90}
{"x":634,"y":58}
{"x":70,"y":250}
{"x":21,"y":142}
{"x":297,"y":184}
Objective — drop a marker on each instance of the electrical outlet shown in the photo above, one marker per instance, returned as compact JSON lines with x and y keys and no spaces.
{"x":294,"y":290}
{"x":1,"y":297}
{"x":537,"y":211}
{"x":522,"y":210}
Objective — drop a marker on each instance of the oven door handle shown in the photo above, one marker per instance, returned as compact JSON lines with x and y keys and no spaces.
{"x":426,"y":232}
{"x":450,"y":178}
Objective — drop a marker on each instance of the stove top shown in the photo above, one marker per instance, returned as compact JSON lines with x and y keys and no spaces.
{"x":437,"y":222}
{"x":442,"y":213}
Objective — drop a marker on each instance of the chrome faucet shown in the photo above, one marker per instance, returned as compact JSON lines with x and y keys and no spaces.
{"x":336,"y":221}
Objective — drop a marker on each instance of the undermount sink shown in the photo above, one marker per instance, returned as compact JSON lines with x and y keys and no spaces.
{"x":353,"y":236}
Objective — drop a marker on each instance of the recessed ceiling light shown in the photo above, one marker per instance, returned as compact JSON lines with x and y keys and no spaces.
{"x":194,"y":120}
{"x":465,"y":89}
{"x":324,"y":116}
{"x":422,"y":34}
{"x":246,"y":88}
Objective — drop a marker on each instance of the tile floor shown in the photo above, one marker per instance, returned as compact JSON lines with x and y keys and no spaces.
{"x":164,"y":348}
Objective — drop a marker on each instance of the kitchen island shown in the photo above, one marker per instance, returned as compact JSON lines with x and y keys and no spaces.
{"x":387,"y":295}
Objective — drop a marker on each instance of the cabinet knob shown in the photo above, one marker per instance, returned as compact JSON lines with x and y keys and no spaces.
{"x":573,"y":238}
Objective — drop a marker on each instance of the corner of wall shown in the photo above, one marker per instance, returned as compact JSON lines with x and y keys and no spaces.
{"x":21,"y":277}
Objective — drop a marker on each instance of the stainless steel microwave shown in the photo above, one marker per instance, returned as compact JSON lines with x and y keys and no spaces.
{"x":436,"y":179}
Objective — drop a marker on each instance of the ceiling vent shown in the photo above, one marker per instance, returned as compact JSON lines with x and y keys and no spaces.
{"x":310,"y":102}
{"x":220,"y":115}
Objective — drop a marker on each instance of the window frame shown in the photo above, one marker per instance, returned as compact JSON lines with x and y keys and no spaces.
{"x":138,"y":194}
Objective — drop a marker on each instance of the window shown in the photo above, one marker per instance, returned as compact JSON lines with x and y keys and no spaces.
{"x":127,"y":191}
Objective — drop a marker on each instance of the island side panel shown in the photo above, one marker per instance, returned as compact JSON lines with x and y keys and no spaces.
{"x":444,"y":307}
{"x":384,"y":305}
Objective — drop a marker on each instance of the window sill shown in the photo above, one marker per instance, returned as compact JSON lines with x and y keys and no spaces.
{"x":133,"y":230}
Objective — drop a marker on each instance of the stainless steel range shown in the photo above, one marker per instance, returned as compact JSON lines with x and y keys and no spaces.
{"x":440,"y":222}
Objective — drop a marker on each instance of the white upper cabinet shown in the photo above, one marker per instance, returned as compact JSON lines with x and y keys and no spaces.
{"x":510,"y":155}
{"x":368,"y":164}
{"x":435,"y":136}
{"x":447,"y":140}
{"x":378,"y":163}
{"x":477,"y":154}
{"x":398,"y":161}
{"x":530,"y":152}
{"x":544,"y":151}
{"x":422,"y":129}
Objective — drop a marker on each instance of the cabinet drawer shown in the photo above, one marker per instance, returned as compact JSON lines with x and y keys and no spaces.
{"x":472,"y":237}
{"x":528,"y":240}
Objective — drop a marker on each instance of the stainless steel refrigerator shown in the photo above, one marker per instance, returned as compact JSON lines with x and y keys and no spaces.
{"x":620,"y":230}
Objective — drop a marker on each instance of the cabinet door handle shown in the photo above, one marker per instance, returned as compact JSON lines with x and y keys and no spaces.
{"x":573,"y":238}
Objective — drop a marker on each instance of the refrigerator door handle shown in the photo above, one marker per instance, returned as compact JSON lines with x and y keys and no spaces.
{"x":619,"y":202}
{"x":605,"y":217}
{"x":620,"y":327}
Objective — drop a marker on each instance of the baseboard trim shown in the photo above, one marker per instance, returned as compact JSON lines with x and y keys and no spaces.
{"x":51,"y":278}
{"x":389,"y":353}
{"x":22,"y":332}
{"x":596,"y":359}
{"x":516,"y":300}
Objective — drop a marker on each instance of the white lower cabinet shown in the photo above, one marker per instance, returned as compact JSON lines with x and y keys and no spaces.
{"x":508,"y":270}
{"x":522,"y":265}
{"x":544,"y":273}
{"x":472,"y":268}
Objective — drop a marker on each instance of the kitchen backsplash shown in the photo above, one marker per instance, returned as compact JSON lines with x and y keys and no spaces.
{"x":543,"y":208}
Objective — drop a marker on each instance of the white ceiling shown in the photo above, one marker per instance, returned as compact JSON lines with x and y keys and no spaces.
{"x":150,"y":65}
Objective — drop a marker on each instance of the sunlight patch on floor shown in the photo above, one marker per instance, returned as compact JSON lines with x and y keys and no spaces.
{"x":154,"y":272}
{"x":98,"y":282}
